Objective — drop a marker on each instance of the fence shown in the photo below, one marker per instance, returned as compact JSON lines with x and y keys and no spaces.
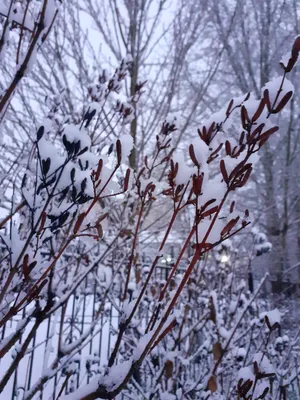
{"x":51,"y":335}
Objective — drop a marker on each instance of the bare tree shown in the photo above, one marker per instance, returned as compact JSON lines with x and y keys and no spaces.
{"x":260,"y":31}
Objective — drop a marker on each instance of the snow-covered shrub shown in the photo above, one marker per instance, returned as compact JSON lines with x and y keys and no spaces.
{"x":74,"y":194}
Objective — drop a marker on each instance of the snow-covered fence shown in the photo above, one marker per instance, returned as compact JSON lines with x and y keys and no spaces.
{"x":46,"y":340}
{"x":58,"y":331}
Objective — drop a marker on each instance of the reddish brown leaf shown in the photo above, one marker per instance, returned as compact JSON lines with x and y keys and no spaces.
{"x":178,"y":189}
{"x":209,"y":212}
{"x":194,"y":201}
{"x":203,"y":134}
{"x":140,"y":173}
{"x":255,"y":367}
{"x":256,"y":131}
{"x":138,"y":275}
{"x":245,"y":177}
{"x":172,"y":167}
{"x":264,"y":393}
{"x":247,"y":96}
{"x":230,"y":225}
{"x":210,"y":129}
{"x":294,"y":56}
{"x":165,"y":159}
{"x":101,"y":218}
{"x":119,"y":151}
{"x":235,"y":151}
{"x":290,"y":65}
{"x":296,"y":46}
{"x":229,"y":107}
{"x":212,"y":311}
{"x":243,"y":388}
{"x":31,"y":266}
{"x":267,"y":99}
{"x":25,"y":267}
{"x":238,"y":169}
{"x":265,"y":136}
{"x":149,"y":188}
{"x":99,"y":231}
{"x":262,"y":142}
{"x":224,"y":171}
{"x":99,"y":169}
{"x":244,"y":117}
{"x":146,"y":161}
{"x":78,"y":223}
{"x":126,"y":180}
{"x":228,"y":148}
{"x":217,"y":351}
{"x":192,"y":155}
{"x":187,"y":309}
{"x":212,"y":384}
{"x":174,"y":170}
{"x":43,"y":220}
{"x":197,"y":184}
{"x":217,"y":149}
{"x":125,"y":232}
{"x":208,"y":203}
{"x":169,"y":369}
{"x":241,"y":139}
{"x":245,"y":223}
{"x":271,"y":327}
{"x":283,"y":102}
{"x":167,"y":192}
{"x":214,"y":154}
{"x":259,"y":110}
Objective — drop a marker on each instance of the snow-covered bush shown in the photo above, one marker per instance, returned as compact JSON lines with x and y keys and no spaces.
{"x":78,"y":201}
